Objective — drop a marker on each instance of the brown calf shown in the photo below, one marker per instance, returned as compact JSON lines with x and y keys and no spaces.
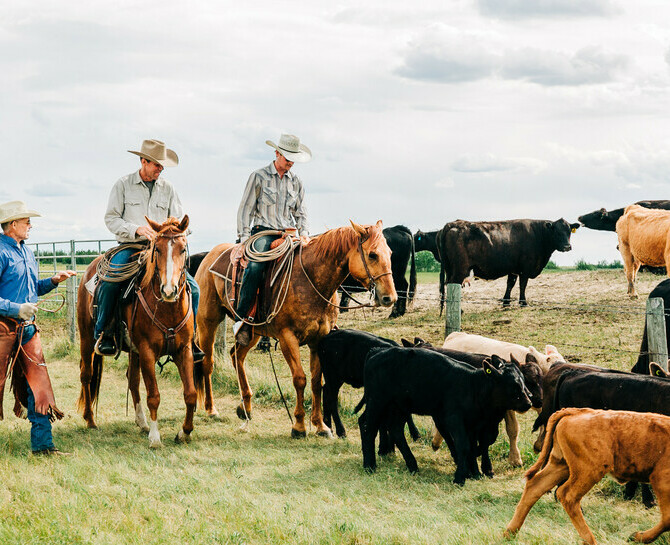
{"x":628,"y":445}
{"x":643,"y":240}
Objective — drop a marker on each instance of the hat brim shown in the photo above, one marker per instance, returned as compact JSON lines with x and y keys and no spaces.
{"x":170,"y":161}
{"x":20,"y":216}
{"x":302,"y":156}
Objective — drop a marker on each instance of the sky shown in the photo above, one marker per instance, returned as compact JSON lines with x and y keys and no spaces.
{"x":416,"y":113}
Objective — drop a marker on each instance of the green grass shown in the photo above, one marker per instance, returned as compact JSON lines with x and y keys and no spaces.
{"x":262,"y":487}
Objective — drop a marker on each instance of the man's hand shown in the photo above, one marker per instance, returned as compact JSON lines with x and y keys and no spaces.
{"x":304,"y":240}
{"x":27,"y":311}
{"x":145,"y":231}
{"x":62,"y":276}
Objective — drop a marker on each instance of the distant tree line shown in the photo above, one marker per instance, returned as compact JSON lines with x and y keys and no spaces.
{"x":83,"y":257}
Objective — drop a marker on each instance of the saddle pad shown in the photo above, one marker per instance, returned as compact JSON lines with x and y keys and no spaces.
{"x":220,"y":268}
{"x":91,"y":284}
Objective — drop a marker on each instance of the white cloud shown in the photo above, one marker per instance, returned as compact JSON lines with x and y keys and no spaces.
{"x":489,"y":163}
{"x":513,"y":9}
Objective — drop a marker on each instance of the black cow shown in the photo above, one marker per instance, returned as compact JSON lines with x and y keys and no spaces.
{"x":194,"y":261}
{"x":616,"y":391}
{"x":399,"y":239}
{"x":662,"y":290}
{"x":604,"y":220}
{"x":342,"y":356}
{"x":492,"y":249}
{"x":464,"y":402}
{"x":426,"y":241}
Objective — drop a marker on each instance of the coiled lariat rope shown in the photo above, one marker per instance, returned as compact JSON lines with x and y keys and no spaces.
{"x":113,"y":272}
{"x":283,"y":254}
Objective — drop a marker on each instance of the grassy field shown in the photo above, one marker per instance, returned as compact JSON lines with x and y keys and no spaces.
{"x":261,"y":486}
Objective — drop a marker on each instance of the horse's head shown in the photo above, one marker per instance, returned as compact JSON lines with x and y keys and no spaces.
{"x":167,"y":257}
{"x":370,"y":263}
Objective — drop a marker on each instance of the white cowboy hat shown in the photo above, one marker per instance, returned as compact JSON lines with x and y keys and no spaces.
{"x":15,"y":210}
{"x":291,"y":148}
{"x":155,"y":150}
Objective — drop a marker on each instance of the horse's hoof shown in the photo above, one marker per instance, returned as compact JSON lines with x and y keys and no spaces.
{"x":515,"y":462}
{"x":91,"y":425}
{"x":325,"y":433}
{"x":296,"y":434}
{"x":213,"y":413}
{"x":245,"y":426}
{"x":155,"y":444}
{"x":182,"y":437}
{"x":242,"y":414}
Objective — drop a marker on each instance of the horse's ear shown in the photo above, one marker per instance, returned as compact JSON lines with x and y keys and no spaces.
{"x":155,"y":226}
{"x":184,"y":223}
{"x":359,"y":229}
{"x":379,"y":224}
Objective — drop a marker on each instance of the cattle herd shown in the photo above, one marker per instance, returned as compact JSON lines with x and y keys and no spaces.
{"x":591,"y":420}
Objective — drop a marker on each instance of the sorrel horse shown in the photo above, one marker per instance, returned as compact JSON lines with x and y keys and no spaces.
{"x":309,"y":311}
{"x":159,"y":322}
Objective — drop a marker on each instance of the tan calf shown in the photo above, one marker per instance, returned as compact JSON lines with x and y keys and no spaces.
{"x":643,"y":240}
{"x":584,"y":445}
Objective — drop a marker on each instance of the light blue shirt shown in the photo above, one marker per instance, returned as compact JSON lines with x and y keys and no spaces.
{"x":19,"y":277}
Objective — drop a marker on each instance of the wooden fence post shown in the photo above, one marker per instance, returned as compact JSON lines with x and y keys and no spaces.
{"x":71,"y":294}
{"x":453,"y":313}
{"x":658,"y":344}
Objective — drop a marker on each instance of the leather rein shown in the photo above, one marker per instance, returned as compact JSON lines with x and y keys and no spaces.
{"x":371,"y":288}
{"x":169,"y":333}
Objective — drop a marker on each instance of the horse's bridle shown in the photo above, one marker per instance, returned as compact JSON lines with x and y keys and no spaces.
{"x":371,"y":288}
{"x":182,"y":276}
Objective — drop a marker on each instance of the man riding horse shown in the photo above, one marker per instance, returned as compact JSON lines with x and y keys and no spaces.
{"x":272,"y":200}
{"x":134,"y":196}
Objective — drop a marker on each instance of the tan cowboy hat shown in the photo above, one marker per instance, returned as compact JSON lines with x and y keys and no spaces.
{"x":291,"y":148}
{"x":155,"y":150}
{"x":15,"y":210}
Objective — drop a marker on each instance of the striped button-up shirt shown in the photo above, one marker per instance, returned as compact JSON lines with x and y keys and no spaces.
{"x":273,"y":202}
{"x":130,"y":200}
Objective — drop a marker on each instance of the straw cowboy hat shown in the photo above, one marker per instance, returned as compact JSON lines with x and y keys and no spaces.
{"x":291,"y":148}
{"x":155,"y":150}
{"x":15,"y":210}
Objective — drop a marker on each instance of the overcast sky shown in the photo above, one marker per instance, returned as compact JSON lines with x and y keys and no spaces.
{"x":416,"y":113}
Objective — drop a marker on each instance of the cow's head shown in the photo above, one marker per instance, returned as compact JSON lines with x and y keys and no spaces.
{"x":512,"y":392}
{"x":601,"y":220}
{"x":533,"y":377}
{"x":560,"y":231}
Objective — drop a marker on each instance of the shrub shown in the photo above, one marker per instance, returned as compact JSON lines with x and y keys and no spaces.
{"x":551,"y":266}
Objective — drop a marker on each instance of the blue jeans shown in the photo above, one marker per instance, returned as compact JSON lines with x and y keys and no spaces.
{"x":109,"y":292}
{"x":40,"y":433}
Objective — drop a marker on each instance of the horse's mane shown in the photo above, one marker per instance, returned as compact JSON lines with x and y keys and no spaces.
{"x":169,"y":228}
{"x":338,"y":240}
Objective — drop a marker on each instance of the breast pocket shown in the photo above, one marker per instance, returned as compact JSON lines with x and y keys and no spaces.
{"x":291,"y":198}
{"x":268,"y":196}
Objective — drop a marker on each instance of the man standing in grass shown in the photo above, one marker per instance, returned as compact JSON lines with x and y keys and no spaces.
{"x":20,"y":346}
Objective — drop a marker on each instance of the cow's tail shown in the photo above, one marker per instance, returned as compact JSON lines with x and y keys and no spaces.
{"x":358,"y":407}
{"x":548,"y":441}
{"x":412,"y":274}
{"x":443,"y":276}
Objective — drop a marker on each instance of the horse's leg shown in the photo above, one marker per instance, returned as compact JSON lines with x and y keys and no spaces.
{"x":291,"y":350}
{"x":85,"y":402}
{"x":148,"y":366}
{"x":317,"y":416}
{"x":134,"y":387}
{"x":184,"y":363}
{"x":238,"y":354}
{"x":206,"y":337}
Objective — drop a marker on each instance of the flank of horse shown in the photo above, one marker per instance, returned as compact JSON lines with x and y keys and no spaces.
{"x":309,"y":311}
{"x":168,"y":331}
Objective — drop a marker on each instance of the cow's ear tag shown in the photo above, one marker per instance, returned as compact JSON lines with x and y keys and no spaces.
{"x":573,"y":230}
{"x":488,"y":371}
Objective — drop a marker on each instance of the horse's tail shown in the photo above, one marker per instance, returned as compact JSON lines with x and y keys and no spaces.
{"x":199,"y":380}
{"x":412,"y":274}
{"x":94,"y":385}
{"x":548,"y":442}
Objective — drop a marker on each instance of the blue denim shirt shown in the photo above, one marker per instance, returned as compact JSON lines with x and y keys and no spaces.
{"x":19,"y":277}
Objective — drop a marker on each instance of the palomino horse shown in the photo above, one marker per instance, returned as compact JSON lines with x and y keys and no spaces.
{"x":308,"y":312}
{"x":159,"y":321}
